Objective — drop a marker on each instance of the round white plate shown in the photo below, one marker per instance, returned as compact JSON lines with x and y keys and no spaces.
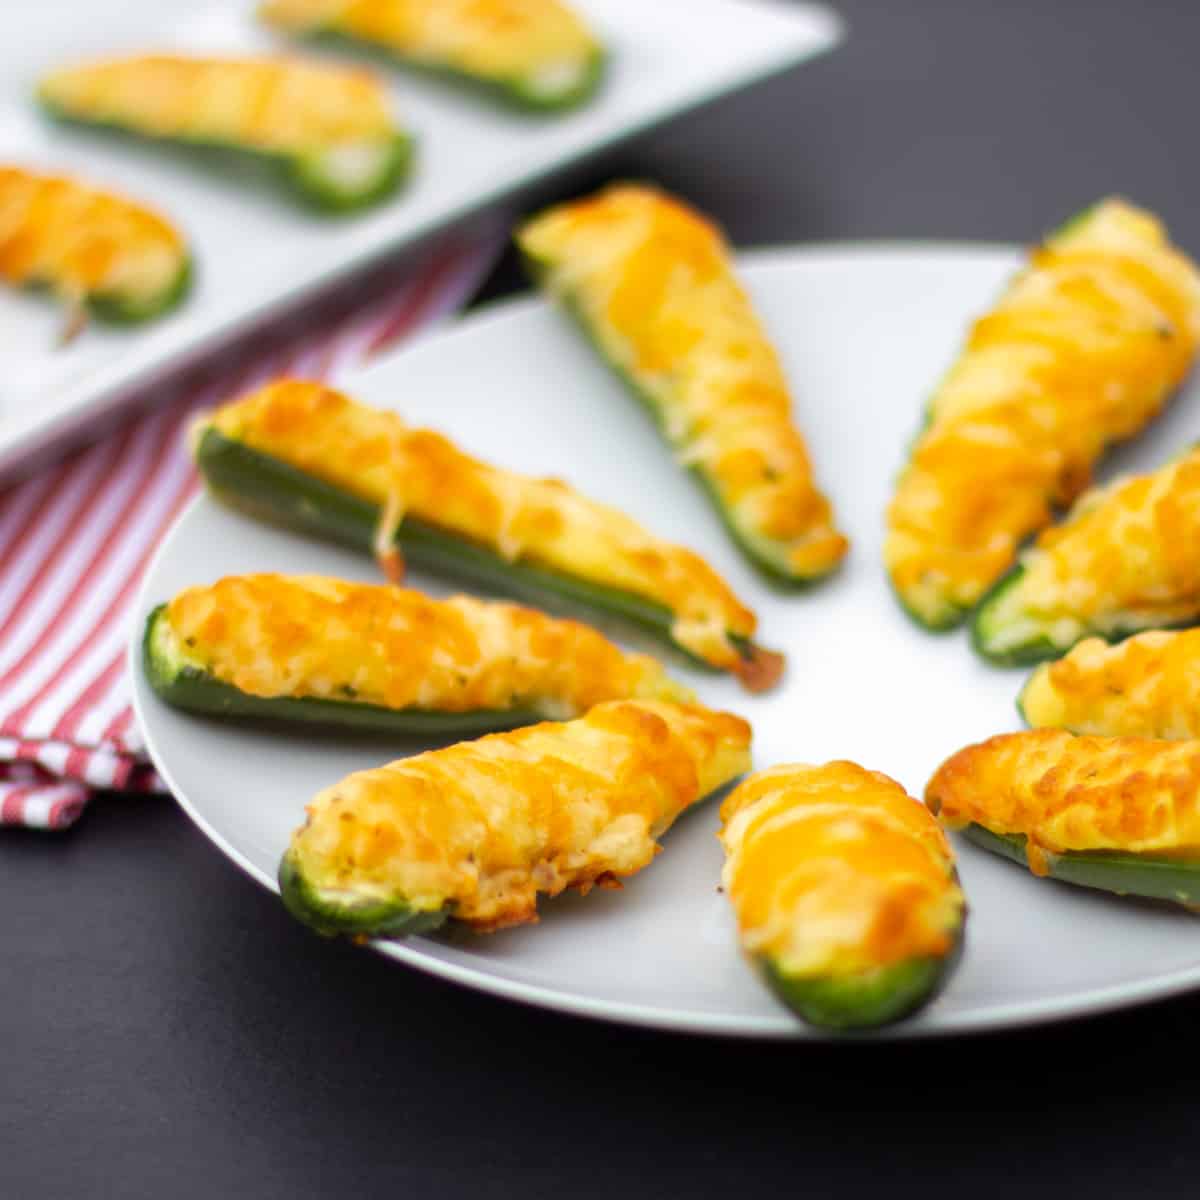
{"x":864,"y":332}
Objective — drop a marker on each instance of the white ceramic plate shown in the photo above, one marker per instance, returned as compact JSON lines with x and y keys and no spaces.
{"x":257,"y":252}
{"x":864,"y":332}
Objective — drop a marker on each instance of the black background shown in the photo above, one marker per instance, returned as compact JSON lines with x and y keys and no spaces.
{"x":166,"y":1030}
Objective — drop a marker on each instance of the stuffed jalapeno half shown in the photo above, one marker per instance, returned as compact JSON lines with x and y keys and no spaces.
{"x":474,"y":832}
{"x":328,"y":130}
{"x":845,"y":892}
{"x":1082,"y":350}
{"x":652,"y":284}
{"x":1121,"y":814}
{"x":95,"y":251}
{"x":537,"y":55}
{"x":1146,"y":686}
{"x":1124,"y":559}
{"x":311,"y":457}
{"x":371,"y":656}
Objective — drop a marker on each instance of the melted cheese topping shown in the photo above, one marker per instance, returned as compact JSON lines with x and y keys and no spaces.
{"x":1147,"y":686}
{"x":374,"y":455}
{"x":528,"y":40}
{"x":655,"y":285}
{"x":271,"y":105}
{"x":1067,"y":793}
{"x":82,"y":242}
{"x":837,"y":869}
{"x":1082,"y":351}
{"x":272,"y":635}
{"x":1124,"y":559}
{"x":484,"y":826}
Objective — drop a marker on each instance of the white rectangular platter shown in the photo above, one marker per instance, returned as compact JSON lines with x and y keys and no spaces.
{"x":257,"y":254}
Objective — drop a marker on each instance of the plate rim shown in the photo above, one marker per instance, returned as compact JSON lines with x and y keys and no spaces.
{"x":1088,"y":1003}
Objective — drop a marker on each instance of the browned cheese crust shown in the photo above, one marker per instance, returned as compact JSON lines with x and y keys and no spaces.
{"x":305,"y":635}
{"x":482,"y":827}
{"x":1066,"y":793}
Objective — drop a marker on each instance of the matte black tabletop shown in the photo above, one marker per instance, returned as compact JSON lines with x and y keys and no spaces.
{"x":166,"y":1030}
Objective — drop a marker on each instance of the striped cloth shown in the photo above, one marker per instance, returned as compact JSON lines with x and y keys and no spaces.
{"x":75,"y":539}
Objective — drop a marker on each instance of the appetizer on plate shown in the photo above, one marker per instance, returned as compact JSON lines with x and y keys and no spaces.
{"x":845,"y":892}
{"x":1125,"y":558}
{"x":368,"y":656}
{"x":309,"y":456}
{"x":476,"y":831}
{"x":328,"y":129}
{"x":534,"y":54}
{"x":652,"y":284}
{"x":1147,"y":686}
{"x":1117,"y":813}
{"x":93,"y":250}
{"x":1082,"y":351}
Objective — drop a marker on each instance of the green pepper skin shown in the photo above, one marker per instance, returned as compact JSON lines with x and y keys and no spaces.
{"x":760,"y":553}
{"x":326,"y":195}
{"x":198,"y":691}
{"x":515,"y":93}
{"x":868,"y":999}
{"x":330,"y":917}
{"x":113,"y":308}
{"x":271,"y":489}
{"x":984,"y":629}
{"x":949,"y":621}
{"x":1107,"y":871}
{"x":864,"y":1001}
{"x":300,"y":174}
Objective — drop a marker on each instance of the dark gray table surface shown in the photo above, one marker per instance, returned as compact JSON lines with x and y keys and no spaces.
{"x":166,"y":1030}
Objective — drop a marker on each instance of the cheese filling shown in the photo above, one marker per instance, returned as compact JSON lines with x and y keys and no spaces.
{"x":310,"y":636}
{"x":483,"y":827}
{"x":836,"y":870}
{"x":82,"y":242}
{"x":283,"y":106}
{"x":1076,"y":794}
{"x":1122,"y":560}
{"x":655,"y":287}
{"x":541,"y":43}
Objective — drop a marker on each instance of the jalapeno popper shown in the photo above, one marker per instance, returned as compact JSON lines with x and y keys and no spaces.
{"x":1125,"y":558}
{"x":307,"y":455}
{"x":1117,"y":813}
{"x":476,"y":831}
{"x":653,"y":286}
{"x":328,"y":129}
{"x":1082,"y":351}
{"x":845,"y":892}
{"x":1147,"y":686}
{"x":533,"y":54}
{"x":95,"y":251}
{"x":308,"y":648}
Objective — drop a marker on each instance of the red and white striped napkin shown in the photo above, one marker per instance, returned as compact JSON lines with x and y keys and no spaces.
{"x":75,"y":540}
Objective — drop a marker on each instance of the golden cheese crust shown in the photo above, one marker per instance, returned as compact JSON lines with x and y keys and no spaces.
{"x":1083,"y":350}
{"x":373,"y":454}
{"x":1067,"y":793}
{"x":273,"y":105}
{"x":80,"y":241}
{"x":484,"y":826}
{"x":491,"y":39}
{"x":837,"y":869}
{"x":654,"y":282}
{"x":310,"y":636}
{"x":1146,"y":686}
{"x":1124,"y":559}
